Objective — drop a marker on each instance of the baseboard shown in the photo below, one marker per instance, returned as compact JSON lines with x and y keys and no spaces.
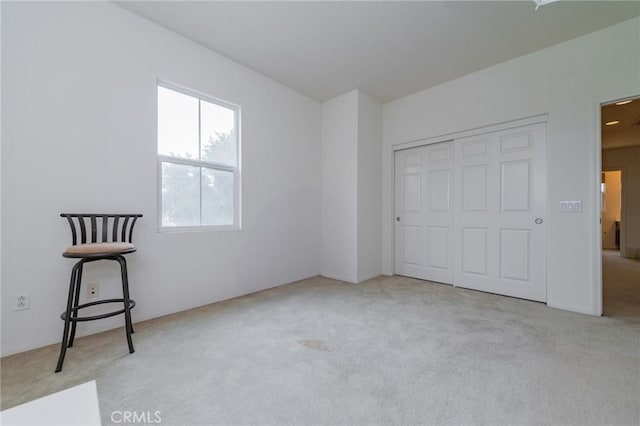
{"x":344,"y":280}
{"x":368,"y":277}
{"x":56,"y":340}
{"x":27,"y":348}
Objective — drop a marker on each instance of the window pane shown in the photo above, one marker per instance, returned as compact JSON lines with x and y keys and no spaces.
{"x":180,"y":195}
{"x":177,"y":124}
{"x":217,"y":197}
{"x":217,"y":133}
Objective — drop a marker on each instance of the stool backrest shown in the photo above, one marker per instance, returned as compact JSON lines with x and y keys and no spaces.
{"x":113,"y":227}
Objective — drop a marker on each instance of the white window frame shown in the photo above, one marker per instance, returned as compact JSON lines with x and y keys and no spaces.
{"x":202,"y":164}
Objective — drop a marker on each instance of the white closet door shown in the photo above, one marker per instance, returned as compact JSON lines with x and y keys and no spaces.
{"x":500,"y":187}
{"x":424,"y":212}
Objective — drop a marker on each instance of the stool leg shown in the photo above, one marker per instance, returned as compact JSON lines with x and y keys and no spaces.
{"x":125,"y":293}
{"x":76,"y":301}
{"x":67,"y":318}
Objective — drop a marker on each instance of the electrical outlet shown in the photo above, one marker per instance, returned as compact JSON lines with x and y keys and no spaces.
{"x":22,"y":301}
{"x":93,"y":290}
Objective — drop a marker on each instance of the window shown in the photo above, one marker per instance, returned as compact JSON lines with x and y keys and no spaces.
{"x":198,"y":160}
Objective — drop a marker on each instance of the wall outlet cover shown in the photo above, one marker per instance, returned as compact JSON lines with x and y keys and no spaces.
{"x":22,"y":301}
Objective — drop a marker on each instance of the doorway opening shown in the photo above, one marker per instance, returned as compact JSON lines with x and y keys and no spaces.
{"x":620,"y":208}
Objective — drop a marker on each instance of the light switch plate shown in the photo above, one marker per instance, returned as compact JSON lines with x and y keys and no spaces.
{"x":571,"y":206}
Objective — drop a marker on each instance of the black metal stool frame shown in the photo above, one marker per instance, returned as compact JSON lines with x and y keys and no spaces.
{"x":123,"y":233}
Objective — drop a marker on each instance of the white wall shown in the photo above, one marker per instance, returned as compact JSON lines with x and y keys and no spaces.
{"x":627,"y":160}
{"x":566,"y":81}
{"x":340,"y":187}
{"x":369,"y":183}
{"x":1,"y":7}
{"x":351,"y":179}
{"x":79,"y":135}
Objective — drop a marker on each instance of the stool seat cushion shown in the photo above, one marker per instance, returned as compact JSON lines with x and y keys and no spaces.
{"x":93,"y":249}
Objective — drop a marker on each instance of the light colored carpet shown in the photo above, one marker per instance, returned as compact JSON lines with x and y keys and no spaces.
{"x":391,"y":351}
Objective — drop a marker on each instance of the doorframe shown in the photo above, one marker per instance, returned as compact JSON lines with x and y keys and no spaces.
{"x":597,"y":212}
{"x":446,"y":137}
{"x":475,"y":131}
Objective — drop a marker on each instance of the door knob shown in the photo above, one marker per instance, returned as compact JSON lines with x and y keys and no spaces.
{"x":398,"y":219}
{"x":539,"y":220}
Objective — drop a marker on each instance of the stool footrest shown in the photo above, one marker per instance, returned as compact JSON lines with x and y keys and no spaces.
{"x":63,"y":316}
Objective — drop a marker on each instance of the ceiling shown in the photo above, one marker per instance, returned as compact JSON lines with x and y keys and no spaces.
{"x":388,"y":49}
{"x":627,"y":131}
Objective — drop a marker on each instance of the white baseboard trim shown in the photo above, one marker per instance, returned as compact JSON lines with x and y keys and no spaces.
{"x":368,"y":277}
{"x":332,"y":277}
{"x":13,"y":350}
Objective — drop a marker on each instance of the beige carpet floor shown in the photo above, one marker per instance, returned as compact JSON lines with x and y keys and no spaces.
{"x":389,"y":351}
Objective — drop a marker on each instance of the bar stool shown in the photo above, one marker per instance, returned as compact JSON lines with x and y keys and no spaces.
{"x":120,"y":228}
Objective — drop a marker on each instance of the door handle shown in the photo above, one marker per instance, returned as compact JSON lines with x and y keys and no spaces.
{"x":539,"y":221}
{"x":398,"y":219}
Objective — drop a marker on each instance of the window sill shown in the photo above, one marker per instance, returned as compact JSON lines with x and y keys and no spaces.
{"x":191,"y":229}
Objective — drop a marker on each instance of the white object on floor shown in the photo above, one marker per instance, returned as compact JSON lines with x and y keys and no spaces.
{"x":74,"y":406}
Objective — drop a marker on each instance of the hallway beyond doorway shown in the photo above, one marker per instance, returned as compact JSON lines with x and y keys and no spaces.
{"x":621,"y":286}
